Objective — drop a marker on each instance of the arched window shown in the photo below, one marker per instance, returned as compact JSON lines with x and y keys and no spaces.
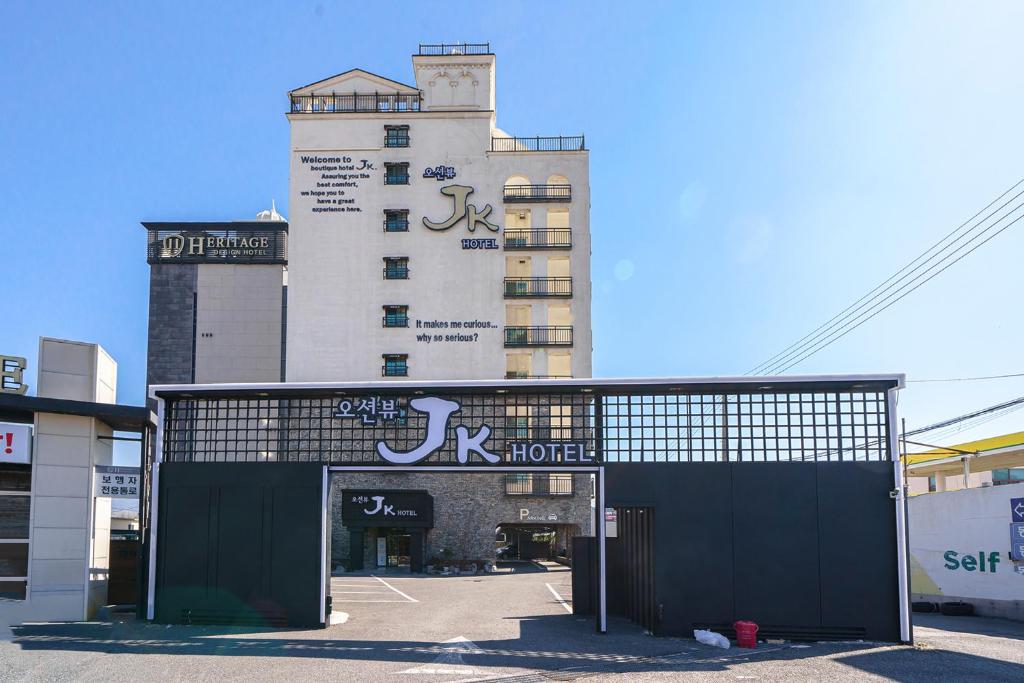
{"x":517,"y":188}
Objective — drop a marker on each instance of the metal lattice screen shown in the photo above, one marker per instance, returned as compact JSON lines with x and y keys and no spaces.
{"x":745,"y":427}
{"x":615,"y":425}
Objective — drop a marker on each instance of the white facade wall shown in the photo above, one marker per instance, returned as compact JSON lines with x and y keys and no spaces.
{"x":336,"y":258}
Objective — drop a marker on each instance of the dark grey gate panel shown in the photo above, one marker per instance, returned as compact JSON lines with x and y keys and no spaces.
{"x":857,"y":541}
{"x":807,"y":550}
{"x":634,"y":565}
{"x":239,"y":543}
{"x":775,"y":543}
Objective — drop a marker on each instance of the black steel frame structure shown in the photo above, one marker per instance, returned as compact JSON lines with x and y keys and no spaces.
{"x":842,"y":418}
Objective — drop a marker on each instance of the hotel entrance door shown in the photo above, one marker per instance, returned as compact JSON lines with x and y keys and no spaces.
{"x":399,"y":545}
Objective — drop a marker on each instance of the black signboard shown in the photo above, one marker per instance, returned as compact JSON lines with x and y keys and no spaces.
{"x":404,"y":508}
{"x":262,"y":242}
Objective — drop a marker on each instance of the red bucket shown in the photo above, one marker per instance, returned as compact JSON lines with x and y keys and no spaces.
{"x":746,"y":633}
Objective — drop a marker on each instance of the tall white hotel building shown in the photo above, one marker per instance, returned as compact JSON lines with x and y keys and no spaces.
{"x":427,"y":243}
{"x":422,"y":243}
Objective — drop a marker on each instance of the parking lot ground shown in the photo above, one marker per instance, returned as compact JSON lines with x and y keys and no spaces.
{"x":511,"y":627}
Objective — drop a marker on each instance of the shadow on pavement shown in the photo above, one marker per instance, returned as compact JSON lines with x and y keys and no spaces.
{"x":563,"y":644}
{"x":983,"y":626}
{"x":931,"y":665}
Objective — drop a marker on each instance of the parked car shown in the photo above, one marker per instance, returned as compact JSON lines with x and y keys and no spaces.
{"x":508,"y":552}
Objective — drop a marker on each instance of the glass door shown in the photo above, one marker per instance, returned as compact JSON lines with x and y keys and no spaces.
{"x":398,"y":549}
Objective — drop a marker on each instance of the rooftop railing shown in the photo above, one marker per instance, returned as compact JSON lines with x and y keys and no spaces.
{"x":336,"y":103}
{"x":433,"y":49}
{"x":558,"y":143}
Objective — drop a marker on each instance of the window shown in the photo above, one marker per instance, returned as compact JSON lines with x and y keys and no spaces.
{"x":15,"y":501}
{"x":396,"y":174}
{"x":1014,"y":475}
{"x":396,"y":268}
{"x":933,"y":483}
{"x":396,"y":136}
{"x":518,"y":484}
{"x":517,"y":422}
{"x":395,"y":365}
{"x":396,"y":316}
{"x":560,"y":484}
{"x":396,"y":220}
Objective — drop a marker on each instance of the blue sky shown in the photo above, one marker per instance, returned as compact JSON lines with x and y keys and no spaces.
{"x":755,"y":167}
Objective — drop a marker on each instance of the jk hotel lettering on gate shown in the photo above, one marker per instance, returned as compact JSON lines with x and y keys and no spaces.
{"x":439,"y":412}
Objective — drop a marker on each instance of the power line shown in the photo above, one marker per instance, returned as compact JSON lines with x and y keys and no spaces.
{"x":892,"y":286}
{"x":1014,"y":403}
{"x":949,"y":426}
{"x":967,"y":379}
{"x":883,"y":286}
{"x":888,"y":301}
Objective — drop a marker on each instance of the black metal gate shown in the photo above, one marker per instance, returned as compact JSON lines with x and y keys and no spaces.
{"x":633,"y":551}
{"x":240,"y":543}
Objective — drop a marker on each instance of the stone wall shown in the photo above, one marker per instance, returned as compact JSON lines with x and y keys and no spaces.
{"x":171,"y":295}
{"x":467,"y":509}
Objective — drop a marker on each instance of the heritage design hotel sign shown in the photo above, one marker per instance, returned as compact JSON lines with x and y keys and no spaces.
{"x":371,"y":409}
{"x":173,"y":246}
{"x":236,"y":245}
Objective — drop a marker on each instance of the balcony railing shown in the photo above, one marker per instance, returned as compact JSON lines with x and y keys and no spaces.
{"x":435,"y":49}
{"x":537,"y":193}
{"x":552,"y":335}
{"x":539,"y":238}
{"x":538,"y":485}
{"x":514,"y":374}
{"x":525,"y":287}
{"x":396,"y":320}
{"x":354,"y":102}
{"x":558,"y":143}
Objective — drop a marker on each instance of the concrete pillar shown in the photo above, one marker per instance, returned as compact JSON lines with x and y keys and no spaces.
{"x":70,"y":530}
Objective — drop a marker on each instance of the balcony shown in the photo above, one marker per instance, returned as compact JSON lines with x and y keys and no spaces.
{"x":515,"y":374}
{"x":551,"y":335}
{"x":538,"y":485}
{"x":537,"y":287}
{"x":537,"y":193}
{"x":539,"y":238}
{"x":558,"y":143}
{"x":441,"y":49}
{"x":354,"y":102}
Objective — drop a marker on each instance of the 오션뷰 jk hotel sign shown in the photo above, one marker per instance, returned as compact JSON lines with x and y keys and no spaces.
{"x":535,"y":428}
{"x":387,"y":508}
{"x":472,"y":442}
{"x":263,"y":242}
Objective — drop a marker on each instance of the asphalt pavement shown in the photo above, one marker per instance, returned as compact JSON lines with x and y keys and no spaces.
{"x":512,"y":627}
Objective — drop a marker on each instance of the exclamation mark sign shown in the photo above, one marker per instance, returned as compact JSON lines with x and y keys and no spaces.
{"x":9,"y":438}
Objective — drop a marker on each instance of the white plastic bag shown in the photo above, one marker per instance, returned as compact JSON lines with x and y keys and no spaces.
{"x":711,"y":638}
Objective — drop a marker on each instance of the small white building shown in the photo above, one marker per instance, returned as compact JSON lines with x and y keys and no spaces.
{"x":55,"y":536}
